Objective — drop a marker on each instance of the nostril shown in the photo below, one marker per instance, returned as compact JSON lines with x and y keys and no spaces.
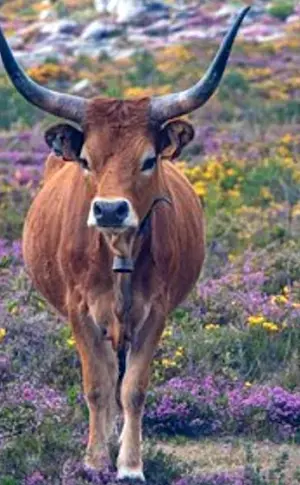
{"x":122,"y":210}
{"x":98,"y":209}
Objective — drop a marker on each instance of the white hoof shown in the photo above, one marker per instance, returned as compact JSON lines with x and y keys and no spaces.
{"x":120,"y":439}
{"x":131,"y":473}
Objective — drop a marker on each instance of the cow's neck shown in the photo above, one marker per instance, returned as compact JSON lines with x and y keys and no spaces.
{"x":125,"y":273}
{"x":123,"y":304}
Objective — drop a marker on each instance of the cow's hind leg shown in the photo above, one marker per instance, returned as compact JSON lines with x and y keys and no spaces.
{"x":99,"y":369}
{"x":133,"y":393}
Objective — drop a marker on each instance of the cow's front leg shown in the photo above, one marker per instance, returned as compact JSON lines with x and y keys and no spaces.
{"x":133,"y":392}
{"x":99,"y":369}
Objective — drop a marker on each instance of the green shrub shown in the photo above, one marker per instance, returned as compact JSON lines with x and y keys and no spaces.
{"x":14,"y":108}
{"x":144,"y":73}
{"x":281,"y":9}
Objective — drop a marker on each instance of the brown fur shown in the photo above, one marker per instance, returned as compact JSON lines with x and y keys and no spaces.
{"x":71,"y":264}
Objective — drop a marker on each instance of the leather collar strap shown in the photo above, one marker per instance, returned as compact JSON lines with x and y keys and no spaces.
{"x":145,"y":224}
{"x":126,"y":265}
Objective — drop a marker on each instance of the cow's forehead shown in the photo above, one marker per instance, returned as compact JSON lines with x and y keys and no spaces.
{"x":118,"y":113}
{"x":119,"y":125}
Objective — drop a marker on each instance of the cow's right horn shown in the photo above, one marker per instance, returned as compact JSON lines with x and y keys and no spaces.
{"x":172,"y":105}
{"x":63,"y":105}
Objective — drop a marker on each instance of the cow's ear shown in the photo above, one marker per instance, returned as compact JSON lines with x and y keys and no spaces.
{"x":65,"y":140}
{"x":173,"y":137}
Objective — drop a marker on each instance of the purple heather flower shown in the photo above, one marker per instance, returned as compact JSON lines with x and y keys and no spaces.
{"x":11,"y":250}
{"x":35,"y":479}
{"x":196,"y":407}
{"x":42,"y":398}
{"x":72,"y":470}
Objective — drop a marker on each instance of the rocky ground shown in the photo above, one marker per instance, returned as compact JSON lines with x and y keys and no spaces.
{"x":63,"y":31}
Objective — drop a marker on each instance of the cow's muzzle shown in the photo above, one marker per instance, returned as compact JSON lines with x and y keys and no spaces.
{"x":115,"y":214}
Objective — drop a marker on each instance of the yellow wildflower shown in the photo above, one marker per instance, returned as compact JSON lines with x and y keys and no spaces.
{"x":71,"y":342}
{"x":214,"y":170}
{"x":296,"y":210}
{"x":283,"y":151}
{"x":256,"y":320}
{"x":168,"y":363}
{"x":270,"y":327}
{"x":279,"y":299}
{"x":136,"y":91}
{"x":288,"y":162}
{"x":234,"y":193}
{"x":179,"y":352}
{"x":266,"y":193}
{"x":287,"y":138}
{"x":167,"y":332}
{"x":200,"y":188}
{"x":177,"y":52}
{"x":230,"y":171}
{"x":257,"y":73}
{"x":248,"y":384}
{"x":286,"y":290}
{"x":211,"y":326}
{"x":14,"y":310}
{"x":193,"y":173}
{"x":47,"y":72}
{"x":296,"y":177}
{"x":2,"y":334}
{"x":296,"y":305}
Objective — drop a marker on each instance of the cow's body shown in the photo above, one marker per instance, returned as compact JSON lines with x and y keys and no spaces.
{"x":114,"y":239}
{"x":61,"y":252}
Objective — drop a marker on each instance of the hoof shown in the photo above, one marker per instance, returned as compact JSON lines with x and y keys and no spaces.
{"x":130,"y":473}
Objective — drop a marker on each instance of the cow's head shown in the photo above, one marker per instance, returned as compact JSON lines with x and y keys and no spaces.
{"x":120,"y":149}
{"x":120,"y":144}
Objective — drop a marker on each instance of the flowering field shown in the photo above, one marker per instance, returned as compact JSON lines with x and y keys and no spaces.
{"x":227,"y":372}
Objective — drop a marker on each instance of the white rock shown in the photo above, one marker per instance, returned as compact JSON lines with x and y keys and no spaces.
{"x":45,"y":51}
{"x":189,"y":34}
{"x":226,"y":11}
{"x":60,"y":27}
{"x":81,"y":86}
{"x":293,"y":18}
{"x":101,"y":5}
{"x":161,"y":27}
{"x":97,"y":30}
{"x":47,"y":15}
{"x":126,"y":10}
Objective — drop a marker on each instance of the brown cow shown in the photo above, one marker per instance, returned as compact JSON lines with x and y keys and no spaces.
{"x":114,"y":240}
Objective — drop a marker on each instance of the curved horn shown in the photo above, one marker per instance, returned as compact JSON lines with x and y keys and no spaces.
{"x":169,"y":106}
{"x":62,"y":105}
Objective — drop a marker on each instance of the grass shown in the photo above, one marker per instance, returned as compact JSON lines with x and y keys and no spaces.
{"x":230,"y":453}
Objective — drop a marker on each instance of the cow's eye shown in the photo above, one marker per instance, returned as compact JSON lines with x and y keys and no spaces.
{"x":84,"y":163}
{"x":149,"y":164}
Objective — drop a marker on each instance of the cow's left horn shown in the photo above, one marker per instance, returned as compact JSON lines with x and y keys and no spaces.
{"x":177,"y":104}
{"x":62,"y":105}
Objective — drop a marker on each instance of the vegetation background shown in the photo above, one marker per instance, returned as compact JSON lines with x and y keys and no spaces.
{"x":224,"y":405}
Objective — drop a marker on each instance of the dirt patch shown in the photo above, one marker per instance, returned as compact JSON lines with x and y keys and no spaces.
{"x":224,"y":455}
